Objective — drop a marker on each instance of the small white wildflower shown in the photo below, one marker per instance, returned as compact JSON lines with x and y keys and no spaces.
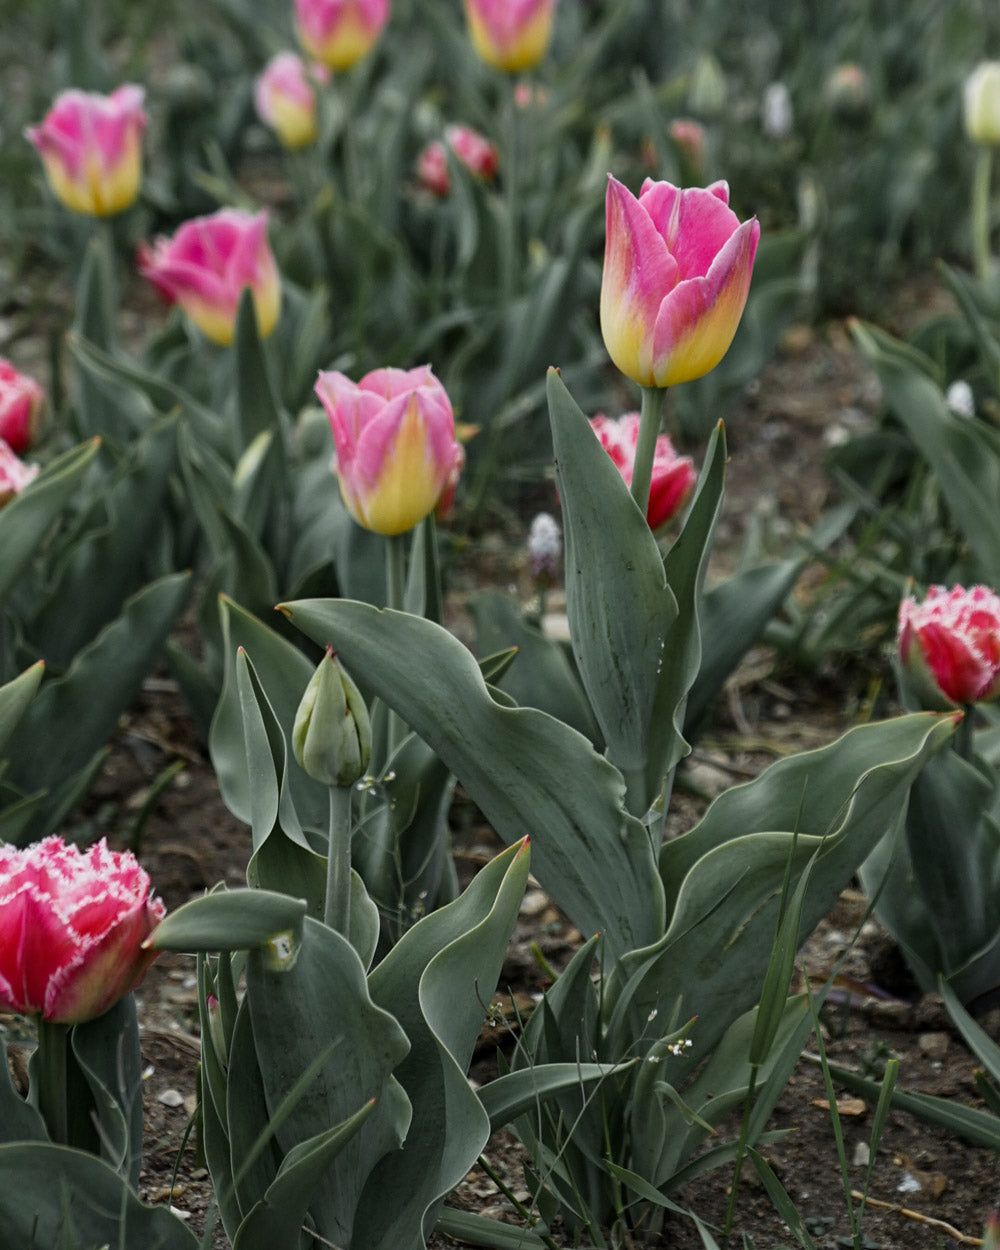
{"x":960,"y":399}
{"x":544,"y":545}
{"x":776,"y":111}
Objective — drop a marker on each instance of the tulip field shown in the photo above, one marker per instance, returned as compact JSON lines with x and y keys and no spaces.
{"x":499,"y":625}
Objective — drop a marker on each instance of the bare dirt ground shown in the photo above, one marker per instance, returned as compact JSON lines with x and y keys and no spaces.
{"x":929,"y":1189}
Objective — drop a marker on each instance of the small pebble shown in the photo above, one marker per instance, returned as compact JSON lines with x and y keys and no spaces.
{"x":171,"y":1098}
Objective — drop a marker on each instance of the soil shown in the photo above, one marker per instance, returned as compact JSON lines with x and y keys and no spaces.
{"x":928,"y":1189}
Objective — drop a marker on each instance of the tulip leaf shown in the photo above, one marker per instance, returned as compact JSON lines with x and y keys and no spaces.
{"x":529,"y":774}
{"x":20,"y":1121}
{"x":437,"y":980}
{"x":520,"y":1092}
{"x":723,"y":878}
{"x":29,"y":516}
{"x":230,"y":920}
{"x":325,"y":993}
{"x":963,"y":455}
{"x":53,"y":1196}
{"x":15,"y":697}
{"x":619,"y":604}
{"x":107,"y":1051}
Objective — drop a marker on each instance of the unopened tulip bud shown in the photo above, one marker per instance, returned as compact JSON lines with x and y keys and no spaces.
{"x":332,"y":734}
{"x":707,"y":91}
{"x":982,"y":104}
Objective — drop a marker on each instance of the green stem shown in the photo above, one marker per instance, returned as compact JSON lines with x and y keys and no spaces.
{"x":653,"y":398}
{"x":741,"y":1150}
{"x":395,"y":593}
{"x":337,"y":909}
{"x":982,"y":178}
{"x":508,"y":1193}
{"x":52,"y":1091}
{"x":965,"y":734}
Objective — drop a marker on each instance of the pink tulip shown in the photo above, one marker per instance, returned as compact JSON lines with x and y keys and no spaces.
{"x":677,"y":268}
{"x":478,"y":155}
{"x":14,"y":474}
{"x":950,"y":644}
{"x":673,"y":475}
{"x":394,"y":435}
{"x":286,"y":100}
{"x":338,"y":33}
{"x":91,"y":149}
{"x":72,"y":927}
{"x":511,"y":35}
{"x":207,"y":265}
{"x":21,"y":404}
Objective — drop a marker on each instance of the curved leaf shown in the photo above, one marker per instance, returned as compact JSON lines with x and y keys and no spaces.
{"x":228,"y":920}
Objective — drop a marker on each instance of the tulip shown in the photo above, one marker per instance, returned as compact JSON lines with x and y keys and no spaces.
{"x":91,"y":149}
{"x":14,"y":474}
{"x":673,"y":476}
{"x":982,"y":104}
{"x":286,"y":100}
{"x":338,"y":33}
{"x":478,"y":155}
{"x":72,"y":927}
{"x":208,"y":263}
{"x":396,"y":451}
{"x":690,"y":139}
{"x":677,"y":268}
{"x":21,"y":404}
{"x":332,"y":733}
{"x":949,"y":645}
{"x":511,"y":35}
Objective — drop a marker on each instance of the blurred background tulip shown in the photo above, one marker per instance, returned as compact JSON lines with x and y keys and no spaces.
{"x":982,"y":104}
{"x":91,"y":149}
{"x":512,"y":35}
{"x":21,"y":403}
{"x":208,"y":263}
{"x":286,"y":100}
{"x":477,"y":154}
{"x":338,"y":33}
{"x":673,"y":476}
{"x":949,"y":645}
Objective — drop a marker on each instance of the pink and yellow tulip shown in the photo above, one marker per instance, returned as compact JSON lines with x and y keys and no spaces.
{"x":286,"y":100}
{"x":91,"y":149}
{"x":72,"y":928}
{"x":949,"y":645}
{"x":677,"y":268}
{"x":21,"y":404}
{"x":396,"y":452}
{"x":673,"y":476}
{"x":338,"y":33}
{"x":207,"y":265}
{"x":512,"y":35}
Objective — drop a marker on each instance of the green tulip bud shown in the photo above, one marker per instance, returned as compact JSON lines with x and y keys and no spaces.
{"x":332,"y":734}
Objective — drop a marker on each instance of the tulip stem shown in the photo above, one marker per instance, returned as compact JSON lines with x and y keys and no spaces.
{"x":653,"y":398}
{"x":337,"y":908}
{"x":395,"y":595}
{"x":982,"y":178}
{"x":52,"y":1092}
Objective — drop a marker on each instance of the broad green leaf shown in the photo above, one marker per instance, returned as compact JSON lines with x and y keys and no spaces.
{"x":619,"y":604}
{"x":107,"y":1050}
{"x":277,"y":1219}
{"x":471,"y":1229}
{"x":20,"y":1121}
{"x":88,"y":700}
{"x":517,"y":1093}
{"x":15,"y":697}
{"x":52,"y":1196}
{"x":963,"y":455}
{"x":231,"y":920}
{"x":530,"y":774}
{"x":724,"y":877}
{"x":436,"y":982}
{"x":322,"y":1001}
{"x":26,"y":520}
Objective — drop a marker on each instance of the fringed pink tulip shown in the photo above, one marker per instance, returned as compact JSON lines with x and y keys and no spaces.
{"x":207,"y":265}
{"x":14,"y":474}
{"x":286,"y":100}
{"x":512,"y":35}
{"x":677,"y":268}
{"x":338,"y":33}
{"x":478,"y":155}
{"x":21,"y":404}
{"x":673,"y":475}
{"x":949,"y":645}
{"x":72,"y":927}
{"x":91,"y":148}
{"x":394,"y":434}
